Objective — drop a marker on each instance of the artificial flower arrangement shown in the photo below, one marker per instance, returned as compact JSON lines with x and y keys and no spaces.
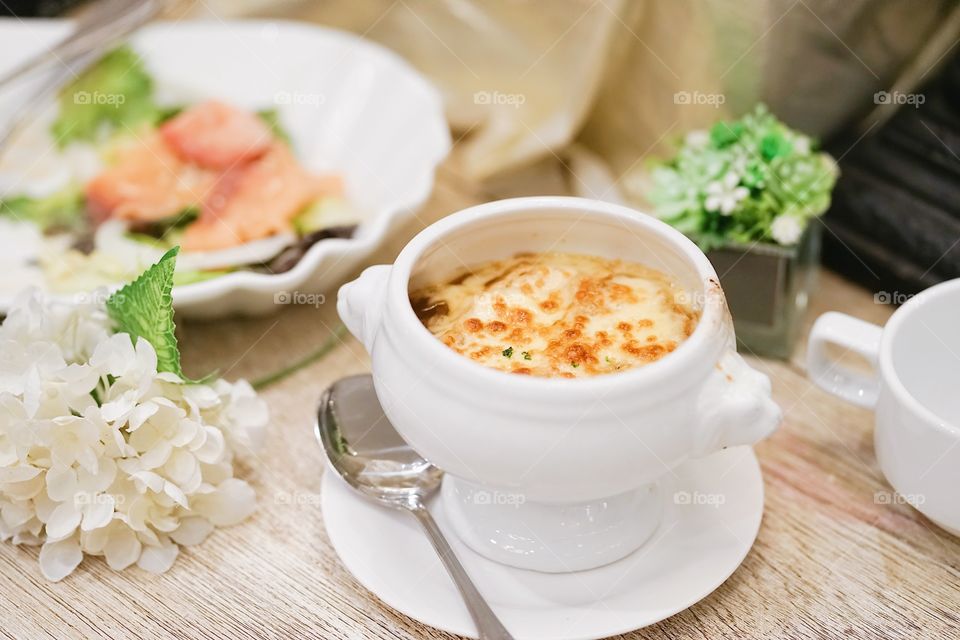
{"x":106,"y":447}
{"x":742,"y":182}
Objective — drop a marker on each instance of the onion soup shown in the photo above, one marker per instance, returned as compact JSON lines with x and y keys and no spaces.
{"x":558,"y":314}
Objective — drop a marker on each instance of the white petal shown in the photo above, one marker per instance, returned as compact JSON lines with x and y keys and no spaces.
{"x":61,"y":483}
{"x":148,"y":479}
{"x":14,"y":515}
{"x":181,"y":467}
{"x":140,"y":414}
{"x":192,"y":530}
{"x":24,"y":490}
{"x":63,"y":521}
{"x":232,"y":502}
{"x":213,"y":446}
{"x":122,"y":549}
{"x":98,"y":513}
{"x":59,"y":559}
{"x":113,"y":356}
{"x":176,"y":494}
{"x":119,"y":408}
{"x":32,"y":391}
{"x":156,"y":455}
{"x":158,"y":559}
{"x":18,"y":474}
{"x":99,"y":481}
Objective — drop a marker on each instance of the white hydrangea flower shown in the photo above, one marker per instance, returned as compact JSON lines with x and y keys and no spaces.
{"x":801,"y":145}
{"x":786,"y":229}
{"x":724,"y":195}
{"x":697,"y":138}
{"x":102,"y":455}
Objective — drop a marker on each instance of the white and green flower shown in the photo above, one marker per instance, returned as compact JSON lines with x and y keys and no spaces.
{"x":105,"y":448}
{"x":724,"y":195}
{"x":745,"y":181}
{"x":787,"y":229}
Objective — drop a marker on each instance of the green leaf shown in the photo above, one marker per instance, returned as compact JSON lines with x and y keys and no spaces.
{"x":775,"y":146}
{"x":144,"y":309}
{"x":723,"y":134}
{"x":272,"y":119}
{"x":63,"y":210}
{"x":116,"y":91}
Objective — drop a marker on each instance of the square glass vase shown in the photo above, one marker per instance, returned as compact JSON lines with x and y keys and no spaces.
{"x":767,"y":287}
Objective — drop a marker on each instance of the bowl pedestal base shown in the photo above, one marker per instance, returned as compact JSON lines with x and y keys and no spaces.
{"x":502,"y":525}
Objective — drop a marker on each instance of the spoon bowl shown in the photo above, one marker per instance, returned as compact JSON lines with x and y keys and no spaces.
{"x":367,"y":452}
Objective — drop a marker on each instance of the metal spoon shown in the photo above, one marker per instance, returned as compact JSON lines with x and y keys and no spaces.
{"x":370,"y":455}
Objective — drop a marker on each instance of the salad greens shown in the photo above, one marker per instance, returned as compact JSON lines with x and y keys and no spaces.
{"x":272,"y":118}
{"x":62,"y":210}
{"x":115,"y":92}
{"x":163,"y":229}
{"x":112,"y":99}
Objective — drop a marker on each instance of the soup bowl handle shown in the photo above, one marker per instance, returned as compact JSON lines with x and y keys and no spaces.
{"x":360,"y":303}
{"x":735,"y":407}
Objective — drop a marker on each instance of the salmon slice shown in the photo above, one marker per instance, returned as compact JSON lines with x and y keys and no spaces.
{"x":215,"y":135}
{"x":256,"y":200}
{"x":146,"y":183}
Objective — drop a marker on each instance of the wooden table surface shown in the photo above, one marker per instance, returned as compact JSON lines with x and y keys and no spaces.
{"x":831,"y":560}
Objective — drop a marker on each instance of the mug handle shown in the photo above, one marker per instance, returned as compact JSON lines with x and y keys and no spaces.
{"x":852,"y":334}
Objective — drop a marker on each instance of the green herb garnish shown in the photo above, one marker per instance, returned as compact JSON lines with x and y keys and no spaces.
{"x":144,"y":309}
{"x":527,"y":356}
{"x":508,"y":352}
{"x":574,"y":364}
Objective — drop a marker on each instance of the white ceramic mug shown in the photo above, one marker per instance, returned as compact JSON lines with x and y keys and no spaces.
{"x":549,"y":473}
{"x":914,"y":390}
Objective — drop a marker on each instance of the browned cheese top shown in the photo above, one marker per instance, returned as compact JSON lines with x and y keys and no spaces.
{"x":558,"y":314}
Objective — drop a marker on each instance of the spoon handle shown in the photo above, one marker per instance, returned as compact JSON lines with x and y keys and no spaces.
{"x":488,"y":625}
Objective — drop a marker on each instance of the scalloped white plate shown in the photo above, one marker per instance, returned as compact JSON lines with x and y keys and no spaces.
{"x":350,"y":106}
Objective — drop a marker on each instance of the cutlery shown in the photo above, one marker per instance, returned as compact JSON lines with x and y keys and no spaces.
{"x":112,"y":20}
{"x":368,"y":453}
{"x":99,"y":26}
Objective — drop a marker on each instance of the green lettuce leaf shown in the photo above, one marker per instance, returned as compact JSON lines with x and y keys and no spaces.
{"x":115,"y":92}
{"x":60,"y":211}
{"x":272,"y":119}
{"x":144,"y":309}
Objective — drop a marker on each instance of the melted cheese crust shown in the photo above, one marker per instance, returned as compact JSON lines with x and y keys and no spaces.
{"x":558,"y":314}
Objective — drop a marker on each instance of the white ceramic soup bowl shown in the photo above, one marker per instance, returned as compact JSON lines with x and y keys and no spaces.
{"x":914,"y":390}
{"x":554,"y":474}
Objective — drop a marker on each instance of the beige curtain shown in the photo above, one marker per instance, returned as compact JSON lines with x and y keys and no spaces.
{"x":523,"y":79}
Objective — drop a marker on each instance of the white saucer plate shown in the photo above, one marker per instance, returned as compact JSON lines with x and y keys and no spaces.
{"x":711,"y":518}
